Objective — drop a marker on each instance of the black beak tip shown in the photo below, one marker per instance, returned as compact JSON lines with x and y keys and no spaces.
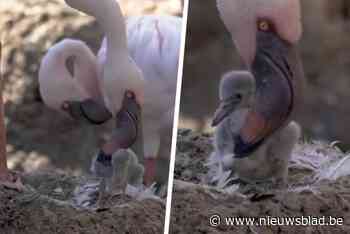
{"x":214,"y":123}
{"x":219,"y":116}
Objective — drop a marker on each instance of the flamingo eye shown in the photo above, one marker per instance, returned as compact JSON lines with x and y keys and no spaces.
{"x":130,"y":94}
{"x":264,"y":25}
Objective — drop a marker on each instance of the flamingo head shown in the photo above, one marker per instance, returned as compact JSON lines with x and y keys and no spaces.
{"x":245,"y":19}
{"x":68,"y":72}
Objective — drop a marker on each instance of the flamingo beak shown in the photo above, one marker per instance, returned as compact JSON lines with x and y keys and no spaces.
{"x":130,"y":116}
{"x":277,"y":70}
{"x":278,"y":74}
{"x":128,"y":120}
{"x":130,"y":108}
{"x":87,"y":111}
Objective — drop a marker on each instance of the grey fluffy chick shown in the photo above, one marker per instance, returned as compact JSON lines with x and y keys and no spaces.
{"x":270,"y":161}
{"x":126,"y":170}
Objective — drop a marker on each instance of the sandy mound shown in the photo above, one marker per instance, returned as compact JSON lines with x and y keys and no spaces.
{"x":317,"y":187}
{"x":46,"y":207}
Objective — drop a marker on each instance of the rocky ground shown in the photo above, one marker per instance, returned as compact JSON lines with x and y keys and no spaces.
{"x":318,"y":186}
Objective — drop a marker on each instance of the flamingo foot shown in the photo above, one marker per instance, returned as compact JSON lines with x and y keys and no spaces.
{"x":11,"y":180}
{"x":150,"y":171}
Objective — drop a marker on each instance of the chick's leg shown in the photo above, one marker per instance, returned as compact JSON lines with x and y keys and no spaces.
{"x":121,"y":163}
{"x":280,"y":151}
{"x":135,"y":176}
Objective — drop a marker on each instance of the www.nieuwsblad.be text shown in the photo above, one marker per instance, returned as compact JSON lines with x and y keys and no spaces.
{"x":217,"y":220}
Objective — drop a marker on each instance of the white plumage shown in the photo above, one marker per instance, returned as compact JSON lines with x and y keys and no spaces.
{"x":57,"y":84}
{"x":119,"y":72}
{"x":153,"y":48}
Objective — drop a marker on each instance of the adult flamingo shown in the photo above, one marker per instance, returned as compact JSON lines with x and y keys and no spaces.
{"x":153,"y":43}
{"x":266,"y":34}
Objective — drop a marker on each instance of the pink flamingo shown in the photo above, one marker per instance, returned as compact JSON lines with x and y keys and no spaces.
{"x":94,"y":88}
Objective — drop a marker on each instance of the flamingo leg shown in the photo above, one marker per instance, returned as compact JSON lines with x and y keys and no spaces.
{"x":7,"y":179}
{"x":150,"y":171}
{"x":163,"y":159}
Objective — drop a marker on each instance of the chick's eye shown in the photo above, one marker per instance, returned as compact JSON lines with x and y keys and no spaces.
{"x":238,"y":96}
{"x":264,"y":25}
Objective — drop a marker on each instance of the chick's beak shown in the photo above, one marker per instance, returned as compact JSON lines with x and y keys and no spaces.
{"x":225,"y":108}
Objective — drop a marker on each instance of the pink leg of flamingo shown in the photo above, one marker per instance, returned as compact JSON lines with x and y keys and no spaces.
{"x":7,"y":178}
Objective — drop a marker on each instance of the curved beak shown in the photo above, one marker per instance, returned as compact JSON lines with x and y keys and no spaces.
{"x":88,"y":111}
{"x":225,"y":108}
{"x":277,"y":70}
{"x":278,"y":73}
{"x":128,"y":121}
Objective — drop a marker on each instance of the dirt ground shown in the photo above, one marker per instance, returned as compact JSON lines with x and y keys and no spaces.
{"x":46,"y":206}
{"x":313,"y":190}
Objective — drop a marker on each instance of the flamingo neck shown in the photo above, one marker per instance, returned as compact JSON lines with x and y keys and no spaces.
{"x":109,"y":15}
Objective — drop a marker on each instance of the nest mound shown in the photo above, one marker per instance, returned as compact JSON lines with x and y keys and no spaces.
{"x":46,"y":207}
{"x":319,"y":186}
